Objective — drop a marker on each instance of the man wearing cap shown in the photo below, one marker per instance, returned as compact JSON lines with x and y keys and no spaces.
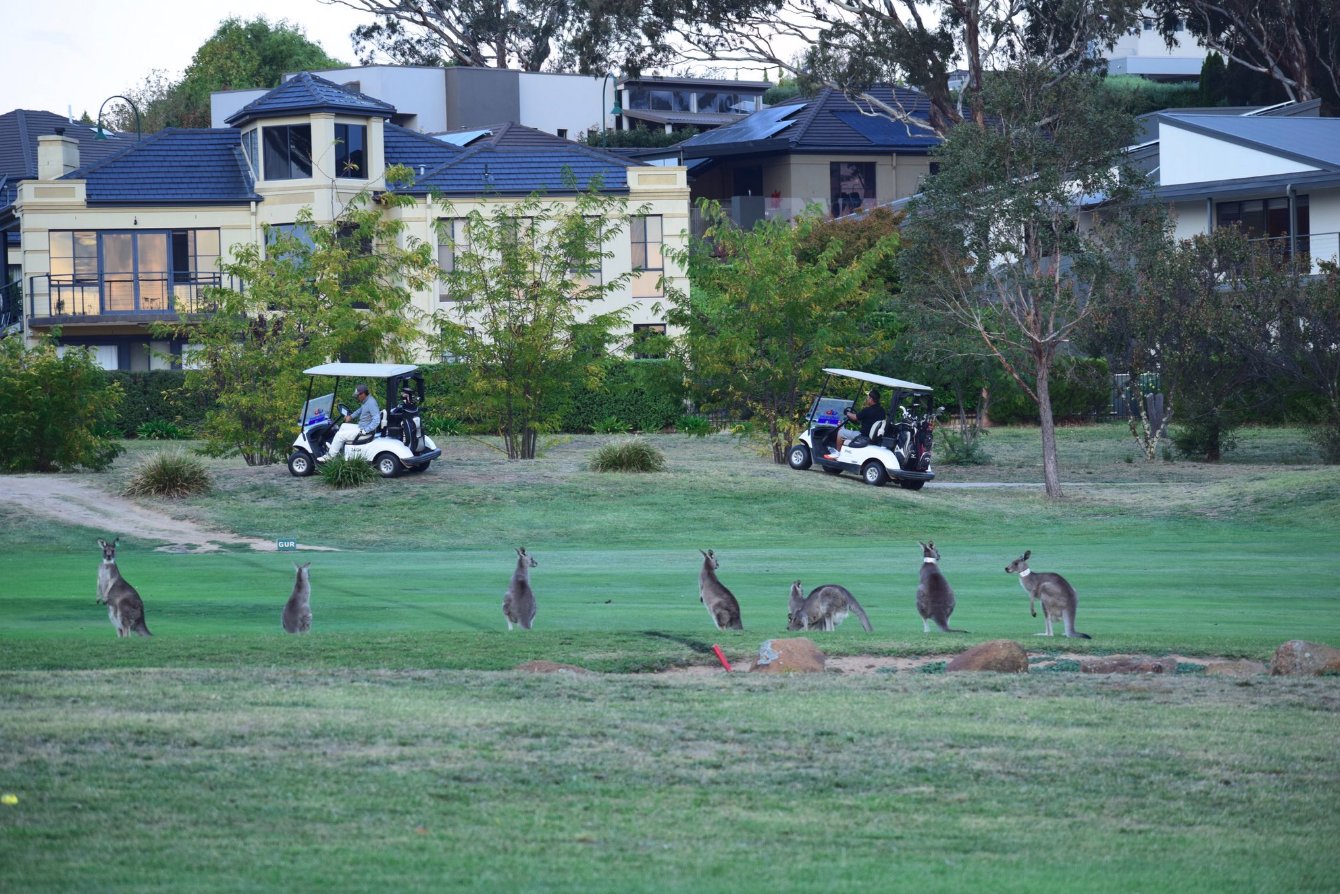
{"x":364,"y":420}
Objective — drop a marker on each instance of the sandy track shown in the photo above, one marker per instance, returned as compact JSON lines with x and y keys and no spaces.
{"x":72,"y":502}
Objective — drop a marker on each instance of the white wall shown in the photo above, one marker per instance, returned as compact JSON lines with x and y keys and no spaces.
{"x":421,"y":92}
{"x":1186,"y":157}
{"x":224,"y":104}
{"x":554,"y":102}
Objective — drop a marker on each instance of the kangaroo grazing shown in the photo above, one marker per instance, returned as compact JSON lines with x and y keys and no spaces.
{"x":519,"y":602}
{"x":825,"y":608}
{"x":297,"y":617}
{"x":124,"y":605}
{"x":935,"y":598}
{"x":720,"y":602}
{"x":1058,"y":598}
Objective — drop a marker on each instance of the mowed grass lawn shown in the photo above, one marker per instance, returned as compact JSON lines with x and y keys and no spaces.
{"x":394,"y":748}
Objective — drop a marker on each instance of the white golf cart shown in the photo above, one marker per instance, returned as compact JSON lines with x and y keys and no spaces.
{"x":397,"y":445}
{"x":898,"y":448}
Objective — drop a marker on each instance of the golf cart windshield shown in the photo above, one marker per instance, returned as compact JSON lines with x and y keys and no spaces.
{"x":317,"y":409}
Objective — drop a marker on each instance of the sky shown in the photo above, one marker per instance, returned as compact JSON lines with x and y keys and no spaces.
{"x":62,"y":56}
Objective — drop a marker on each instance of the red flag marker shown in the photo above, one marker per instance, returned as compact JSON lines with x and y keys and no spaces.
{"x":721,"y":656}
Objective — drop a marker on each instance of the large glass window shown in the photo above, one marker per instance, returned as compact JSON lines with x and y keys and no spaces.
{"x":645,"y":233}
{"x":351,"y":141}
{"x":658,"y":100}
{"x":1264,"y":218}
{"x":852,"y":184}
{"x":251,"y":149}
{"x":288,"y":151}
{"x":145,"y":271}
{"x":452,"y":242}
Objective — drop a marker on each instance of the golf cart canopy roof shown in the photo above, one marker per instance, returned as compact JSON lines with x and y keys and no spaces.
{"x":879,"y":380}
{"x":362,"y":370}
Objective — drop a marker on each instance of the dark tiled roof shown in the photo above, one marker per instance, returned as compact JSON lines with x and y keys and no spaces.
{"x":19,"y":131}
{"x":829,"y":122}
{"x":305,"y":92}
{"x":413,"y":149}
{"x":486,"y":169}
{"x":172,"y":167}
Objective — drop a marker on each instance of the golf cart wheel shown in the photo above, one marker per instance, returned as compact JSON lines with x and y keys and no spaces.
{"x":387,"y":465}
{"x":799,"y":457}
{"x":873,"y":473}
{"x":422,"y":467}
{"x":912,"y":485}
{"x":301,"y":464}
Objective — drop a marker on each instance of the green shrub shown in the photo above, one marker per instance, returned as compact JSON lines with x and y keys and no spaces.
{"x":343,"y":472}
{"x":57,"y":411}
{"x":629,"y":455}
{"x":161,"y":430}
{"x":442,"y":424}
{"x":960,"y":448}
{"x":1081,"y":387}
{"x":698,"y":426}
{"x":642,"y":395}
{"x":156,"y":395}
{"x":610,"y":425}
{"x":172,"y":474}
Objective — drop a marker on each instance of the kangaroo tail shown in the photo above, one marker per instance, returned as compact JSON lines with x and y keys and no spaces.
{"x":141,"y":628}
{"x":1080,"y":635}
{"x":944,"y":625}
{"x":860,"y":613}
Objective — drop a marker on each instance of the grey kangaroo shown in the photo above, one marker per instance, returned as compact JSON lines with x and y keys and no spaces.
{"x":935,"y":598}
{"x":825,"y":608}
{"x":519,"y":602}
{"x":124,"y":605}
{"x":720,"y":602}
{"x":297,"y":616}
{"x":1058,"y":598}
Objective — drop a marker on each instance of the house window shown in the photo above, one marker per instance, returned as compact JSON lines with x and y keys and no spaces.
{"x":288,"y":151}
{"x":452,"y":241}
{"x":1266,"y":218}
{"x":562,"y":133}
{"x":141,"y":271}
{"x":251,"y":148}
{"x":649,"y":341}
{"x":648,"y":261}
{"x":658,"y":100}
{"x":351,"y":143}
{"x":588,"y":272}
{"x":852,"y":186}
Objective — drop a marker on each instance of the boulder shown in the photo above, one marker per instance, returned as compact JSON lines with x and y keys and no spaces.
{"x":550,"y":667}
{"x":1240,"y":668}
{"x":1128,"y":664}
{"x":1001,"y":655}
{"x":796,"y":655}
{"x":1299,"y":657}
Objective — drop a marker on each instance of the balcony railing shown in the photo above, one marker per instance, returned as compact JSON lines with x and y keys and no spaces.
{"x":745,"y":211}
{"x":1302,"y":254}
{"x":67,"y":298}
{"x":11,"y":306}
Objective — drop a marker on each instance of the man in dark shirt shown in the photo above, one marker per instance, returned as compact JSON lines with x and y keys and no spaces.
{"x":871,"y":413}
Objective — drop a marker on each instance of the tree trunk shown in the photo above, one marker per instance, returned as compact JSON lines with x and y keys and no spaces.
{"x":1051,"y":472}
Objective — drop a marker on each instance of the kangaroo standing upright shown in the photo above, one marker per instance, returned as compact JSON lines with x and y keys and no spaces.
{"x":825,"y":608}
{"x":519,"y":602}
{"x":935,"y":598}
{"x":720,"y":602}
{"x":297,"y":617}
{"x":1058,"y":598}
{"x":124,"y":605}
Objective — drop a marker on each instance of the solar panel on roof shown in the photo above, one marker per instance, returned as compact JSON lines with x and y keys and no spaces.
{"x":758,"y":126}
{"x":880,"y":130}
{"x":462,"y":138}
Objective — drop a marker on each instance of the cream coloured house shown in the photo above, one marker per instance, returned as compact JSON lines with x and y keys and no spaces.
{"x":108,"y":248}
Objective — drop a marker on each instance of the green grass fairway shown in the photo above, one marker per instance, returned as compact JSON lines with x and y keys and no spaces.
{"x":395,"y":748}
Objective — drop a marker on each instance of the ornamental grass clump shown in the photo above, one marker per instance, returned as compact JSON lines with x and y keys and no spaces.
{"x":343,"y":473}
{"x":630,"y":455}
{"x":172,"y":474}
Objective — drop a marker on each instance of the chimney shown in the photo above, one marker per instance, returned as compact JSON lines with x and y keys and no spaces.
{"x":57,"y":155}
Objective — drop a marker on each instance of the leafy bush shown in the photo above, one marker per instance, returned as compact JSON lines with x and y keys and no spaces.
{"x":642,"y":395}
{"x":159,"y":394}
{"x":161,"y":430}
{"x":442,"y":424}
{"x":172,"y":474}
{"x":610,"y":425}
{"x":1081,"y":387}
{"x":629,"y":455}
{"x":343,"y":472}
{"x":57,"y":410}
{"x":961,"y":448}
{"x":698,"y":426}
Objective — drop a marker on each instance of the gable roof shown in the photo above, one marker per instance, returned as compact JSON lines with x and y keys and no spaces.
{"x":174,"y":166}
{"x":306,"y":92}
{"x":829,"y":122}
{"x":1313,"y":141}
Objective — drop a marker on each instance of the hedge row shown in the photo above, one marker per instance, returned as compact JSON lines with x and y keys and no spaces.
{"x":154,"y":396}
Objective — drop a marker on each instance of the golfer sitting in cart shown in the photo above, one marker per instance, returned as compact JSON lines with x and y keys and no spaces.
{"x":364,"y":421}
{"x":871,"y":413}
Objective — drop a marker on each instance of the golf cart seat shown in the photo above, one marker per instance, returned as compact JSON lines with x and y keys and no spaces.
{"x":365,"y":437}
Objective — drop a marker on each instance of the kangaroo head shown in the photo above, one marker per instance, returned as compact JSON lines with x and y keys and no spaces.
{"x":525,"y":558}
{"x":711,"y":559}
{"x":1019,"y":564}
{"x":108,"y":549}
{"x":302,"y":569}
{"x":928,"y":550}
{"x":795,"y":604}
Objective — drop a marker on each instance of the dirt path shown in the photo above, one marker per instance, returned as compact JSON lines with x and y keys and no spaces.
{"x":75,"y":503}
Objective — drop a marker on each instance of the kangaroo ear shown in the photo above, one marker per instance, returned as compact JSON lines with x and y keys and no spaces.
{"x":1027,"y":553}
{"x":520,"y":550}
{"x":116,"y":541}
{"x":920,"y":544}
{"x":930,"y":544}
{"x":102,"y":543}
{"x":711,"y":554}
